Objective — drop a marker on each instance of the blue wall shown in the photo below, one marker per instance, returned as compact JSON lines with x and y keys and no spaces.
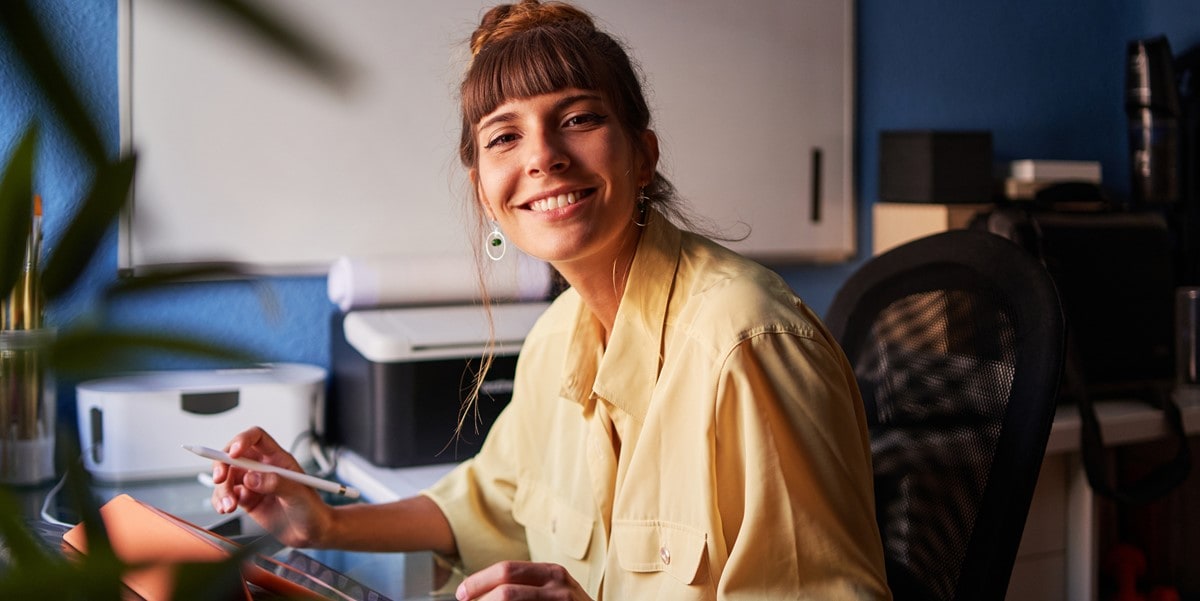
{"x":1045,"y":76}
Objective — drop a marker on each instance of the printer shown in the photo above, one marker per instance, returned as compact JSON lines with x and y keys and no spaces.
{"x":399,"y":377}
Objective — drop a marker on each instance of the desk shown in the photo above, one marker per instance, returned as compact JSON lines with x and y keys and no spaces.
{"x":399,"y":576}
{"x":383,"y":485}
{"x":1058,"y":557}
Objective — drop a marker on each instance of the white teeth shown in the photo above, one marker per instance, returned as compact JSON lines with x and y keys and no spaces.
{"x":554,"y":202}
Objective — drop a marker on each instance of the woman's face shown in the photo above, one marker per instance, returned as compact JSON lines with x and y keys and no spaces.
{"x":560,"y":176}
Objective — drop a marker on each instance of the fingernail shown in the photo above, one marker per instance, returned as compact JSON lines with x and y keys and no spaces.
{"x":227,"y":504}
{"x":253,"y":480}
{"x":235,"y":448}
{"x":461,"y":593}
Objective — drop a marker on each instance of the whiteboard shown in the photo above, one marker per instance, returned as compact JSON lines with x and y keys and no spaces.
{"x":245,"y":158}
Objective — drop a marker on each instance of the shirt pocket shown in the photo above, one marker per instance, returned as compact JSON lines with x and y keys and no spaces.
{"x":660,"y":549}
{"x":555,"y":531}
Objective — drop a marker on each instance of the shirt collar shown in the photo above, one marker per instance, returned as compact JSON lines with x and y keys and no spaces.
{"x":625,"y":373}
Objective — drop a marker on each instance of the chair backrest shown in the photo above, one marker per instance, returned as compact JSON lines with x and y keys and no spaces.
{"x":957,"y":344}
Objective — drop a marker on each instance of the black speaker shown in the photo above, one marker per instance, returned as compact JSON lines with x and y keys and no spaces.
{"x":935,"y":166}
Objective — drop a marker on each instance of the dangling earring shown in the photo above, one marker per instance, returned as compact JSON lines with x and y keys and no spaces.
{"x":642,"y":204}
{"x":494,"y":243}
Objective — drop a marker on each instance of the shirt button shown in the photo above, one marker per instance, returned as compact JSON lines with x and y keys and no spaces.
{"x":665,"y":554}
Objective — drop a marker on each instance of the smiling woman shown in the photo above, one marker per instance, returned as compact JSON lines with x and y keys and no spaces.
{"x":682,"y":426}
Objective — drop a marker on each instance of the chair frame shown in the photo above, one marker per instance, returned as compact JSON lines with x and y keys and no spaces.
{"x":1019,"y":277}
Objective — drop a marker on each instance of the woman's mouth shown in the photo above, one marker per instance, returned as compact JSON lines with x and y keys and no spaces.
{"x":559,"y":201}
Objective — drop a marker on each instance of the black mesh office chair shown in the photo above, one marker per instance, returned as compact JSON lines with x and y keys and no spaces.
{"x":957,"y":344}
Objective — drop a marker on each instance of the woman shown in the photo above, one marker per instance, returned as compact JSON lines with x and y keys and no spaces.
{"x":682,"y":426}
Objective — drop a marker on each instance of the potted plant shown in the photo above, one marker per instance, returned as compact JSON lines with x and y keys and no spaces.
{"x":28,"y":570}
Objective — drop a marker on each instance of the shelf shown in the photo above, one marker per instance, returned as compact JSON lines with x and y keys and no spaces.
{"x":1121,"y":423}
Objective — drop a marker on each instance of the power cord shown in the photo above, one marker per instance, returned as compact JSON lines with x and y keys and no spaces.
{"x":45,"y":514}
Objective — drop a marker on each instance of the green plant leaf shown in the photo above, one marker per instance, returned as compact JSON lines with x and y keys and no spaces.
{"x":215,"y":581}
{"x":78,"y":488}
{"x":62,"y":582}
{"x":297,"y":47}
{"x":23,"y":549}
{"x":28,"y":38}
{"x":84,"y":352}
{"x":212,"y":581}
{"x":16,"y":210}
{"x":155,"y":278}
{"x":99,"y":210}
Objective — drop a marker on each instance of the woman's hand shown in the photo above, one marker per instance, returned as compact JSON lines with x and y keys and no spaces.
{"x":514,"y":580}
{"x":292,"y":512}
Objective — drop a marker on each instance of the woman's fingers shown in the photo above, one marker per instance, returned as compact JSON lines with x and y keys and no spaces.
{"x":520,"y":580}
{"x":236,"y":486}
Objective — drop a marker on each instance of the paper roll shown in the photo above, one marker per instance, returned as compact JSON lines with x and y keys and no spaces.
{"x":358,"y":282}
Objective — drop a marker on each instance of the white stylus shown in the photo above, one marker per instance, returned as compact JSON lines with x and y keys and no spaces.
{"x":258,"y":466}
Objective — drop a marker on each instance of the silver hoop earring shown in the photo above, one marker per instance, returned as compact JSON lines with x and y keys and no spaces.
{"x":494,"y":243}
{"x":642,"y":204}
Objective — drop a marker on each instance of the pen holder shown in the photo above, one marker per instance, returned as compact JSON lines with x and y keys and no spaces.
{"x":27,"y":403}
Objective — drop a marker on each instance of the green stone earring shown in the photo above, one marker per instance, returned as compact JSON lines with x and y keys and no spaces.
{"x":494,"y":243}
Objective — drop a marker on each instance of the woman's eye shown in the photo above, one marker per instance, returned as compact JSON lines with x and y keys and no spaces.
{"x":500,"y":140}
{"x":585,"y":119}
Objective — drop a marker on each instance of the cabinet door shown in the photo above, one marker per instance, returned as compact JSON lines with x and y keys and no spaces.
{"x":753,"y":106}
{"x":244,"y":158}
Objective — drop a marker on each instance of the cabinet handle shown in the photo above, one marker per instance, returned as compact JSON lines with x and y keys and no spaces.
{"x":815,"y":191}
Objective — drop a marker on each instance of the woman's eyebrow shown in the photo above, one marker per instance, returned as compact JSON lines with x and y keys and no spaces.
{"x":572,"y":99}
{"x":501,"y":118}
{"x":561,"y":104}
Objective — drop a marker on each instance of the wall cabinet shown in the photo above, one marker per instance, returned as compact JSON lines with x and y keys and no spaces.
{"x":246,"y":158}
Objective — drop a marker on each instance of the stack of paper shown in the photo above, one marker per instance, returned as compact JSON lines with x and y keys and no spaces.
{"x":1027,"y":177}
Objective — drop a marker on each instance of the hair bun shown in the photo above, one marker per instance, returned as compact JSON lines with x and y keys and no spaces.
{"x":506,"y":20}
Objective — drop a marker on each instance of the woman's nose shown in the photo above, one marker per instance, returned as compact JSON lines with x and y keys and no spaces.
{"x":546,"y":155}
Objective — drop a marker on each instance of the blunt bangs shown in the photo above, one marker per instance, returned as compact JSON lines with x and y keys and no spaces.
{"x":535,"y":62}
{"x":543,"y":60}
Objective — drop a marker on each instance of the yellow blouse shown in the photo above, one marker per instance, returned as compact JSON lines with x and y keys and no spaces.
{"x":717,"y":449}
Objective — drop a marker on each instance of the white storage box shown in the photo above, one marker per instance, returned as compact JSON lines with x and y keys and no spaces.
{"x":131,"y":427}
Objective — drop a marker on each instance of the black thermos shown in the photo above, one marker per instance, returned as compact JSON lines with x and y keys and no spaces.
{"x":1152,"y":107}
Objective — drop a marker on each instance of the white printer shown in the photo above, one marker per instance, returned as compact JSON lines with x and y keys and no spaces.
{"x":399,"y":376}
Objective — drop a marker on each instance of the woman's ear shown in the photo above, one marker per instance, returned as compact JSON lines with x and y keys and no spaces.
{"x":479,"y":198}
{"x":649,"y":156}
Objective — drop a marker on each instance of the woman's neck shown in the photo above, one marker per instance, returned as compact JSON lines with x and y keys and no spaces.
{"x":601,"y":283}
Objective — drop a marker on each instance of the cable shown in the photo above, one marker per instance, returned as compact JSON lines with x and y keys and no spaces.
{"x":324,"y":457}
{"x":46,"y":516}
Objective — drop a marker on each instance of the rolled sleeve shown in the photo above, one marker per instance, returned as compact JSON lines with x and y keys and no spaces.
{"x":795,"y":473}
